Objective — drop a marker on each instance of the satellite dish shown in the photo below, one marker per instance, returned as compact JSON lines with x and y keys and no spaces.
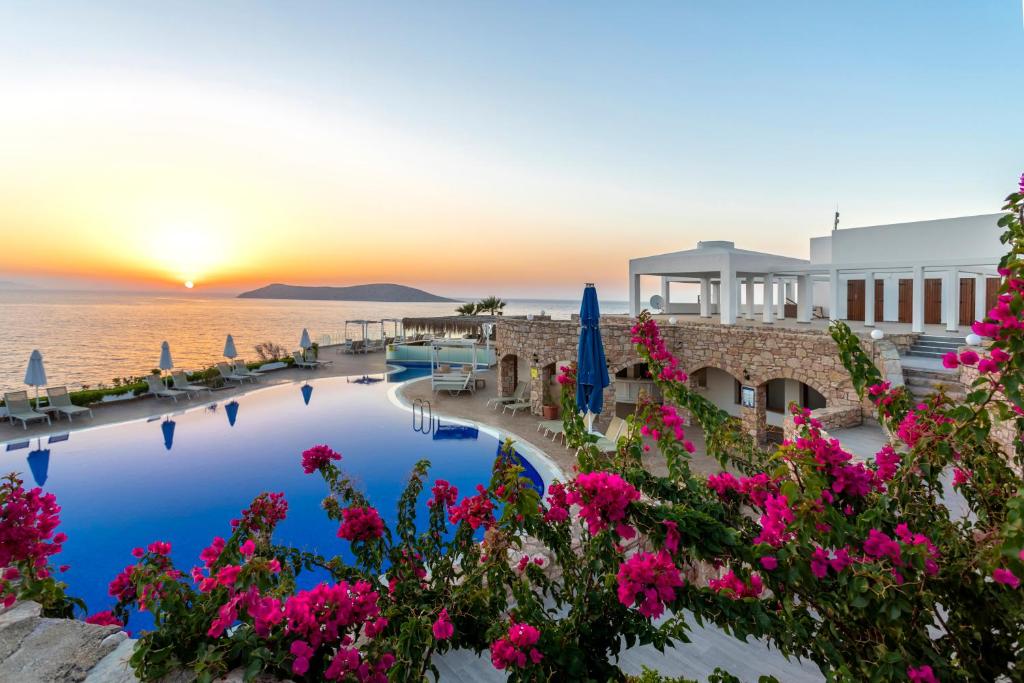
{"x":657,"y":302}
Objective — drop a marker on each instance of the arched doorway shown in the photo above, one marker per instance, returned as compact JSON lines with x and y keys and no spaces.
{"x":508,"y":374}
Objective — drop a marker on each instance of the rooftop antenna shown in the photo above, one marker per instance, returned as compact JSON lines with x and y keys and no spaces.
{"x":835,"y":222}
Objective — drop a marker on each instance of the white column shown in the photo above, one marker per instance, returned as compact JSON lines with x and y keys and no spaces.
{"x":869,"y":299}
{"x":804,"y":298}
{"x":729,"y":303}
{"x":768,"y":305}
{"x":780,"y":300}
{"x":917,"y":302}
{"x":980,"y":286}
{"x":833,"y":294}
{"x":952,"y":300}
{"x":750,"y":297}
{"x":716,"y":293}
{"x":634,"y":295}
{"x":705,"y":297}
{"x":664,"y":294}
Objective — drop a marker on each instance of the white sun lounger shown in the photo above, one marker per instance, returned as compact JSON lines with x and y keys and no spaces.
{"x":517,"y":406}
{"x":20,"y":408}
{"x":516,"y":396}
{"x":159,"y":390}
{"x":310,"y":357}
{"x":242,"y":369}
{"x":301,"y":362}
{"x":181,"y":383}
{"x":609,"y":441}
{"x":228,"y":373}
{"x":60,"y":400}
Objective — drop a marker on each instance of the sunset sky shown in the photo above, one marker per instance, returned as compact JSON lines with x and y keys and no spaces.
{"x":475,"y":148}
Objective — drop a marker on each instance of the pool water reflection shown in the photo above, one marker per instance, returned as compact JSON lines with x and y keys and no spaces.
{"x":183,"y":477}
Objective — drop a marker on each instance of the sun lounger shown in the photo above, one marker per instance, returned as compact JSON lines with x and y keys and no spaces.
{"x":525,"y":404}
{"x":181,"y":383}
{"x":160,"y":390}
{"x":609,"y":441}
{"x":20,"y":408}
{"x":301,"y":362}
{"x":516,"y":396}
{"x":60,"y":400}
{"x":452,"y":382}
{"x":310,"y":357}
{"x":551,"y":428}
{"x":228,"y":373}
{"x":243,"y":370}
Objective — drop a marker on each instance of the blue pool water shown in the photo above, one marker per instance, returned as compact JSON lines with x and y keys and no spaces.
{"x":183,"y":477}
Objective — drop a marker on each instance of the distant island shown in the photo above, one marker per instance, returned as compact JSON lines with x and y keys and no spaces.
{"x":374,"y":292}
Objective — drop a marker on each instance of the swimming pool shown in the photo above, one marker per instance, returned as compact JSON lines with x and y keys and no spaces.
{"x":182,"y":477}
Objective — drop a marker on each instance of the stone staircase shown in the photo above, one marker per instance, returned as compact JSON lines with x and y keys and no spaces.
{"x":922,"y":383}
{"x":933,"y":346}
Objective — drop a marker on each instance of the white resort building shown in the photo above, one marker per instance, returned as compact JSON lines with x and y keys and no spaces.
{"x":939,"y":272}
{"x":751,"y":327}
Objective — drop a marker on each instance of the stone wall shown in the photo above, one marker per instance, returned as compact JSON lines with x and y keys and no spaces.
{"x":753,"y":355}
{"x":1004,"y":432}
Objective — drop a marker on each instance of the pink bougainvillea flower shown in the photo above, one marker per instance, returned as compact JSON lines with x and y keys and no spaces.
{"x":443,"y":628}
{"x":968,"y":357}
{"x":210,"y":554}
{"x":960,"y":477}
{"x":301,"y":650}
{"x":734,"y":587}
{"x":921,"y":674}
{"x":769,"y":562}
{"x":648,"y":581}
{"x":248,"y":548}
{"x":517,"y":648}
{"x":105,"y":618}
{"x":138,"y":552}
{"x":475,"y":510}
{"x":950,"y":360}
{"x":443,"y":494}
{"x":360,"y":524}
{"x":1005,"y":577}
{"x":318,"y":456}
{"x":603,"y":498}
{"x":228,"y":575}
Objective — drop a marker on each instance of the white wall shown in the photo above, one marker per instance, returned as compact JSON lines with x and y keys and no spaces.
{"x":721,"y":390}
{"x":920,"y":241}
{"x":821,"y":250}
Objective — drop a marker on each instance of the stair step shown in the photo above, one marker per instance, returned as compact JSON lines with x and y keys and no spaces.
{"x":926,"y":354}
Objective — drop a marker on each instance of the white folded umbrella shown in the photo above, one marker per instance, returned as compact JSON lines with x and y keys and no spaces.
{"x":165,"y":357}
{"x":35,"y":373}
{"x":305,"y":343}
{"x":229,"y":348}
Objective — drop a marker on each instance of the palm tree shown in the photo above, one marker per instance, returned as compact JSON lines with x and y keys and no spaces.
{"x":467,"y":309}
{"x":492,"y":304}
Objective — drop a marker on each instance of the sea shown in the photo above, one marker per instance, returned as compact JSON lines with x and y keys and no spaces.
{"x":89,"y":338}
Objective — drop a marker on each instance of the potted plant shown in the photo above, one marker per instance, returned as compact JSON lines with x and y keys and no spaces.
{"x":549,"y":409}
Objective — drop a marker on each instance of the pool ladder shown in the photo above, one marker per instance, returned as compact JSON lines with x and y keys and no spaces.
{"x":422,"y":416}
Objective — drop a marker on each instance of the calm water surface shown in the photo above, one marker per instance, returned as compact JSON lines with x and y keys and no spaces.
{"x":90,"y":337}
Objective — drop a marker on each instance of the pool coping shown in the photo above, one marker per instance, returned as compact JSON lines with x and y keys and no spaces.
{"x":546,"y":467}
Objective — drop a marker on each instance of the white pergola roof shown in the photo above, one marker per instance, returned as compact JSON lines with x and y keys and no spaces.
{"x":712,"y":258}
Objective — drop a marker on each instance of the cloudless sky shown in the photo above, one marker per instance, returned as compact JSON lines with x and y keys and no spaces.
{"x":484,"y":147}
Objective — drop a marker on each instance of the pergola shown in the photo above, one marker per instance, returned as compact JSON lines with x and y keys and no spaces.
{"x":720,"y":269}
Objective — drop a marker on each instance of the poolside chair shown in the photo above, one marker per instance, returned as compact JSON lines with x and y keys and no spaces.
{"x":301,"y":362}
{"x":160,"y":390}
{"x":523,"y":404}
{"x":552,"y":429}
{"x":609,"y":441}
{"x":243,"y":370}
{"x":60,"y":400}
{"x":181,"y":383}
{"x":20,"y":408}
{"x":310,"y":356}
{"x":228,"y":373}
{"x":516,"y":396}
{"x":452,"y":382}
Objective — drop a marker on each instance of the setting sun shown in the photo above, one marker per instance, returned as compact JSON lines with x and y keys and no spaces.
{"x":189,"y":284}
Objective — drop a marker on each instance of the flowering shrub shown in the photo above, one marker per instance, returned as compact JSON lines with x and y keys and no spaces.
{"x":856,"y":565}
